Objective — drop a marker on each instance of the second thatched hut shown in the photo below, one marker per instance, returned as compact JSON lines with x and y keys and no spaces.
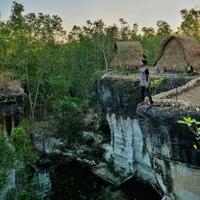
{"x":128,"y":55}
{"x":176,"y":53}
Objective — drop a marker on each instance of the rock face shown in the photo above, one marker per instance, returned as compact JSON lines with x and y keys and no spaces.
{"x":174,"y":160}
{"x":147,"y":142}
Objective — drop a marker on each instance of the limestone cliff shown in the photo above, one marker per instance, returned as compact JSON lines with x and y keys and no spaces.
{"x":148,"y":142}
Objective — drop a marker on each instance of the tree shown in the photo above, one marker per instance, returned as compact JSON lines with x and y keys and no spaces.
{"x":16,"y":19}
{"x":134,"y":31}
{"x":148,"y":31}
{"x":191,"y":23}
{"x":6,"y":160}
{"x":75,"y":33}
{"x":29,"y":47}
{"x":125,"y":30}
{"x":163,"y":28}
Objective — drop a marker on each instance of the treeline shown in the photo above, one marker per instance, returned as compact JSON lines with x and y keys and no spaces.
{"x":58,"y":70}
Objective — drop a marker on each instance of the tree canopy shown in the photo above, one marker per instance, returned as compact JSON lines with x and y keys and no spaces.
{"x":55,"y":66}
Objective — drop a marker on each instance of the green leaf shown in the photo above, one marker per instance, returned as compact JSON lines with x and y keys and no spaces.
{"x":187,"y":120}
{"x":196,"y":122}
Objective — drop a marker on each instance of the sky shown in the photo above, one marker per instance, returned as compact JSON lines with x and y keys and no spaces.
{"x":77,"y":12}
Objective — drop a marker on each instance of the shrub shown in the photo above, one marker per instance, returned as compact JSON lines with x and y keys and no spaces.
{"x":194,"y":127}
{"x":69,"y":119}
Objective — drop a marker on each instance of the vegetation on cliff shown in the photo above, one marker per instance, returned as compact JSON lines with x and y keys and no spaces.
{"x":193,"y":125}
{"x":59,"y":71}
{"x":54,"y":66}
{"x":17,"y":156}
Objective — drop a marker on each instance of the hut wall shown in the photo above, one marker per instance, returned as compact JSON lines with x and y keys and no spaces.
{"x":173,"y":58}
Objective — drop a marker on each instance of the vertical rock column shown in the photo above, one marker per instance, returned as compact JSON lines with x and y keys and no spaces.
{"x":122,"y":142}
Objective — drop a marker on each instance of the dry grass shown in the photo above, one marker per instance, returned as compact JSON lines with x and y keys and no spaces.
{"x":9,"y":86}
{"x":5,"y":77}
{"x":177,"y":52}
{"x":128,"y":54}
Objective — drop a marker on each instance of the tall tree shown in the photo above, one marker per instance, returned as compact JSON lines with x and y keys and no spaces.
{"x":16,"y":19}
{"x":163,"y":28}
{"x":125,"y":30}
{"x":148,"y":31}
{"x":134,"y":31}
{"x":191,"y":22}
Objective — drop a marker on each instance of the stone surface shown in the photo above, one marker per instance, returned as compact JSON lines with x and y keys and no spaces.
{"x":117,"y":95}
{"x":175,"y":161}
{"x":120,"y":95}
{"x":148,"y":140}
{"x":121,"y":142}
{"x":46,"y":143}
{"x":186,"y":97}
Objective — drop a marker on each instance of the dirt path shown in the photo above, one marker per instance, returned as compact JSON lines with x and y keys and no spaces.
{"x":192,"y":96}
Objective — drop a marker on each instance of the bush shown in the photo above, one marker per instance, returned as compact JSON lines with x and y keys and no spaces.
{"x":69,"y":119}
{"x":121,"y":70}
{"x":6,"y":160}
{"x":23,"y":147}
{"x":194,"y":127}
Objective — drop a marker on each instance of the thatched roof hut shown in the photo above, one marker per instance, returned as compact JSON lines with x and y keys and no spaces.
{"x":176,"y":53}
{"x":128,"y":54}
{"x":11,"y":103}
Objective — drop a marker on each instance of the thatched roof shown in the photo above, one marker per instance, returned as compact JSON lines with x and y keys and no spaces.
{"x":176,"y":52}
{"x":9,"y":87}
{"x":127,"y":54}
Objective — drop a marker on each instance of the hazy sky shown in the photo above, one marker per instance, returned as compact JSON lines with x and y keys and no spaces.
{"x":144,"y":12}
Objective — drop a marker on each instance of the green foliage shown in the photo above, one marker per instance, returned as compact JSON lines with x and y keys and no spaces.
{"x":23,"y":148}
{"x":193,"y":125}
{"x":157,"y":82}
{"x":34,"y":47}
{"x":68,"y":115}
{"x":151,"y":45}
{"x":191,"y":23}
{"x":186,"y":120}
{"x":121,"y":70}
{"x":59,"y":71}
{"x":148,"y":31}
{"x":28,"y":195}
{"x":17,"y":153}
{"x":53,"y":66}
{"x":6,"y":160}
{"x":189,"y":121}
{"x":163,"y":28}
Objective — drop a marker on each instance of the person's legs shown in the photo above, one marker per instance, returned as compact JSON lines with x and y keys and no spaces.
{"x":142,"y":93}
{"x":149,"y":95}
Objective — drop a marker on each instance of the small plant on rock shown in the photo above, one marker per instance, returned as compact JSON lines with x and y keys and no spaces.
{"x":157,"y":82}
{"x":194,"y":127}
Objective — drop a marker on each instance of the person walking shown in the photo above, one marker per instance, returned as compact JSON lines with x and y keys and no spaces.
{"x":144,"y":82}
